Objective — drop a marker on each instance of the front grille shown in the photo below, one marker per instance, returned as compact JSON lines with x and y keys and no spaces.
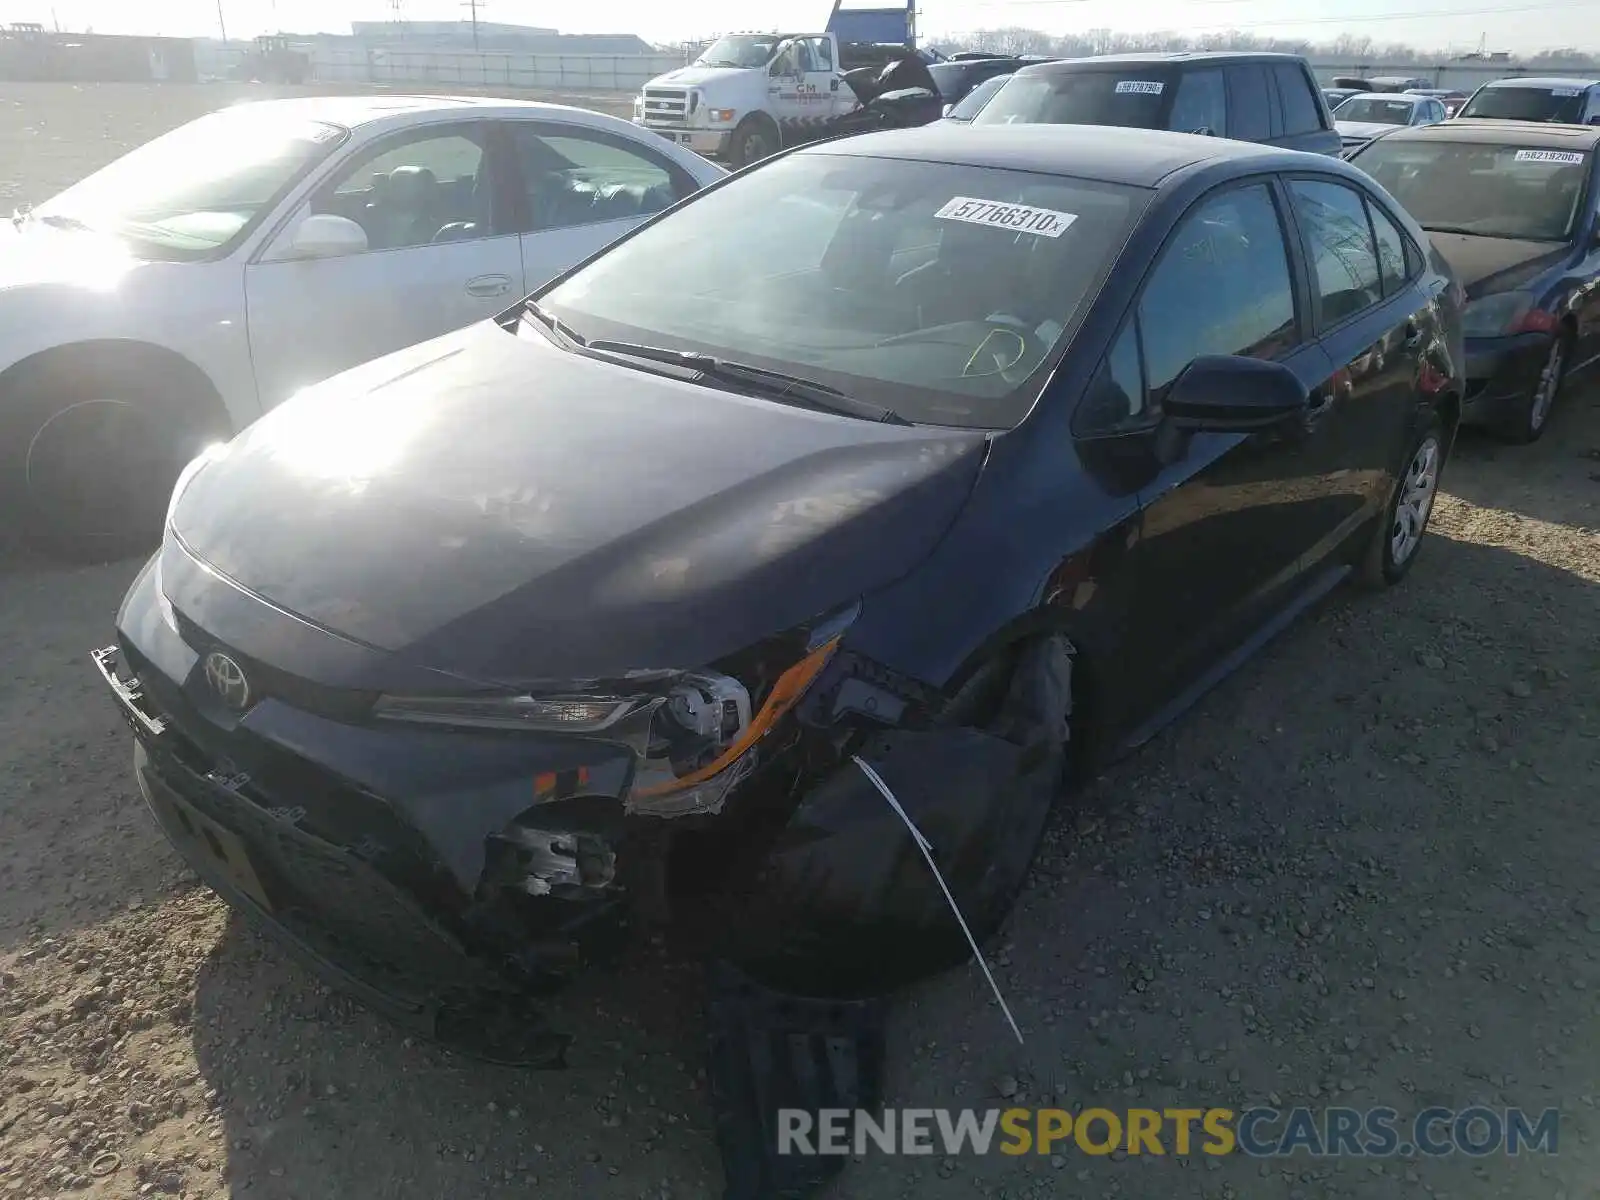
{"x":337,"y":704}
{"x":667,"y":106}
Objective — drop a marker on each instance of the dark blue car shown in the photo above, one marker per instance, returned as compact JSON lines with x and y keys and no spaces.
{"x":1511,"y":204}
{"x":931,"y":464}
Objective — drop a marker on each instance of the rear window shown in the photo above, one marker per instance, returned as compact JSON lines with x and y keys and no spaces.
{"x":1485,"y":190}
{"x":1134,"y":96}
{"x":973,"y":102}
{"x":952,"y":79}
{"x":1374,"y":110}
{"x":1563,"y":105}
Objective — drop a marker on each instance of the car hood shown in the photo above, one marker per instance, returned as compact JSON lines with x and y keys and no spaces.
{"x":1363,"y":129}
{"x":491,"y":505}
{"x":1486,"y":265}
{"x":36,"y":254}
{"x":698,"y":76}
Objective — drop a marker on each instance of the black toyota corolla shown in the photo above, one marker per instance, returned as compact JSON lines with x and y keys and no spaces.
{"x":1511,"y":205}
{"x":942,"y":459}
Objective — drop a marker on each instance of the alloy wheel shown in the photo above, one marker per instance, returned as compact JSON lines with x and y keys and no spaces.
{"x":1417,"y":491}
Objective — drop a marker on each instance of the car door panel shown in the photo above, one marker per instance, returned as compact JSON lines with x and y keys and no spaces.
{"x":1372,"y":323}
{"x":311,"y":318}
{"x":1226,"y":527}
{"x":1221,"y":534}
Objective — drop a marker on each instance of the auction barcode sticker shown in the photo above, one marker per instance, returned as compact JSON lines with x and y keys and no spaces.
{"x":1140,"y":87}
{"x":1556,"y":157}
{"x":1563,"y":91}
{"x":1013,"y":218}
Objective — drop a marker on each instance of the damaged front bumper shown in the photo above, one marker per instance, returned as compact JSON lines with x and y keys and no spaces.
{"x":448,"y":876}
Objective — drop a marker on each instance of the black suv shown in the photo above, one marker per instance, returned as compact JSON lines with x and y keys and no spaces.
{"x":1270,"y":98}
{"x":958,"y":76}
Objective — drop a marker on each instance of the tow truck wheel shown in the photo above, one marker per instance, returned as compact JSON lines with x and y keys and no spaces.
{"x":752,"y":141}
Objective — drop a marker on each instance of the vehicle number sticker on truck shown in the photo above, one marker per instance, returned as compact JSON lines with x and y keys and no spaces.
{"x":1563,"y":91}
{"x":1140,"y":87}
{"x":1013,"y":218}
{"x":1561,"y":158}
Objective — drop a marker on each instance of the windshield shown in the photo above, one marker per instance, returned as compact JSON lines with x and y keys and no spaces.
{"x":1487,"y":190}
{"x":197,"y":190}
{"x":1376,"y":110}
{"x":973,"y":102}
{"x":740,"y":50}
{"x":1132,"y":98}
{"x":935,"y":290}
{"x":1563,"y":105}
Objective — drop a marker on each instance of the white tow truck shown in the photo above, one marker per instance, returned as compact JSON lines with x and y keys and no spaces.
{"x":750,"y":94}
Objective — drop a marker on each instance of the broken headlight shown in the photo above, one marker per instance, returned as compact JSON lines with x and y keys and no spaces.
{"x":693,"y":734}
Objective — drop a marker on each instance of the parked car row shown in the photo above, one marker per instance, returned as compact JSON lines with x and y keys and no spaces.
{"x":652,"y":592}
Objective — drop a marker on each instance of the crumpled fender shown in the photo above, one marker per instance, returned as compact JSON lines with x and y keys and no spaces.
{"x":844,"y":904}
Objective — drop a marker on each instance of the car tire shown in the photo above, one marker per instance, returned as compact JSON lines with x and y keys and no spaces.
{"x":1397,"y":539}
{"x":87,"y":465}
{"x":752,"y":141}
{"x":1532,"y":417}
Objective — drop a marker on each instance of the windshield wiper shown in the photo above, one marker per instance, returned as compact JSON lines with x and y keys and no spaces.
{"x":772,"y":384}
{"x":553,"y":324}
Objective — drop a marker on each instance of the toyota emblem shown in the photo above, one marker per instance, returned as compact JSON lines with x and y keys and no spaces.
{"x":227,"y":680}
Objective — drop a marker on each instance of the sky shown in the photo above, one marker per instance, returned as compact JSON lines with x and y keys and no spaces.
{"x":1514,"y":25}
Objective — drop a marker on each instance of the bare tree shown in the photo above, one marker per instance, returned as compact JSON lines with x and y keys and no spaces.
{"x":1351,"y":49}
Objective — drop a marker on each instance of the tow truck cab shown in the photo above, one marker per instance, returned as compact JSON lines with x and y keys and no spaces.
{"x":748,"y":94}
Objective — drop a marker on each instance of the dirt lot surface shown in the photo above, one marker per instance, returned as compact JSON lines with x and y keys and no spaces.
{"x":1362,"y":872}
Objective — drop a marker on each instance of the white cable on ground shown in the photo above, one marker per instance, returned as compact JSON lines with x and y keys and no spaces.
{"x":926,"y":847}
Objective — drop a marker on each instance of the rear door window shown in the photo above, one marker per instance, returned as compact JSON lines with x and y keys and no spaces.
{"x":1391,"y":244}
{"x":1301,"y":113}
{"x":1200,"y":104}
{"x":1249,"y":107}
{"x":1344,"y":258}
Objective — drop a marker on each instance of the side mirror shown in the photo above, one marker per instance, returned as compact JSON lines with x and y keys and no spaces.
{"x":1229,"y":394}
{"x":324,"y":235}
{"x":945,"y":112}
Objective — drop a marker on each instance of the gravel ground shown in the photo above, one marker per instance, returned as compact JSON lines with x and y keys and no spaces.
{"x":1361,"y":872}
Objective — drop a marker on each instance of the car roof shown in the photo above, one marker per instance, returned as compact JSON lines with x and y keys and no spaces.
{"x":1166,"y":57}
{"x":1110,"y":154}
{"x":352,"y":112}
{"x":1545,"y":81}
{"x":1536,"y":135}
{"x":1387,"y":96}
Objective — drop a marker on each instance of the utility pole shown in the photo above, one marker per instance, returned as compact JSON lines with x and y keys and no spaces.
{"x":222,"y":21}
{"x":473,"y":5}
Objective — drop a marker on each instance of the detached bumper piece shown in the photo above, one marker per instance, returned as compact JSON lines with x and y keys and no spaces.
{"x":770,"y":1051}
{"x":325,"y":905}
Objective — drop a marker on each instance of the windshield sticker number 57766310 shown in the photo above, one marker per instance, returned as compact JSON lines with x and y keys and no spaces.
{"x":1011,"y":218}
